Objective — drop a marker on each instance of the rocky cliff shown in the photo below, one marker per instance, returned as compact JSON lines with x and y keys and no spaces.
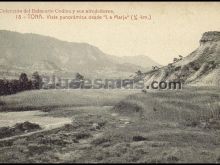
{"x":201,"y":67}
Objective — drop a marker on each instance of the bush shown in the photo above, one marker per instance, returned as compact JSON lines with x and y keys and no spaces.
{"x":18,"y":129}
{"x":129,"y":106}
{"x":82,"y":135}
{"x":26,"y":126}
{"x":139,"y":138}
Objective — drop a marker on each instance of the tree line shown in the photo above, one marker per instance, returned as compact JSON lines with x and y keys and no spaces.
{"x":8,"y":87}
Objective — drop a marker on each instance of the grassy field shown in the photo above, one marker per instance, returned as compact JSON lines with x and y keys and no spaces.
{"x":47,"y":99}
{"x":120,"y":126}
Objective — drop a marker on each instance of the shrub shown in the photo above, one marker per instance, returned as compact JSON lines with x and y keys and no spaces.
{"x":129,"y":106}
{"x":139,"y":138}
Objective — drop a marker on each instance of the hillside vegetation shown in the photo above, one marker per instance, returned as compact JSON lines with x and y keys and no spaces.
{"x":201,"y":67}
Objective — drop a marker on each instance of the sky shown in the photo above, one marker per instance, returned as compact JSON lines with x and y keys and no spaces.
{"x":175,"y":28}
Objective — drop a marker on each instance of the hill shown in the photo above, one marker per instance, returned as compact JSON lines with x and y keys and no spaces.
{"x":47,"y":55}
{"x":201,"y":67}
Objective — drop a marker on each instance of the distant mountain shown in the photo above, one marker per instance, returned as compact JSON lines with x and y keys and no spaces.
{"x":201,"y":67}
{"x":140,"y":60}
{"x":31,"y":52}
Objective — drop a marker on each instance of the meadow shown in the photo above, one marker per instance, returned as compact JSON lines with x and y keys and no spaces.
{"x":119,"y":126}
{"x":54,"y":98}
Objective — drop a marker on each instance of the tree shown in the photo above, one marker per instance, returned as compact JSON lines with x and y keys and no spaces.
{"x":14,"y":86}
{"x":175,"y":59}
{"x":2,"y":87}
{"x":181,"y":57}
{"x":77,"y":82}
{"x":36,"y":81}
{"x":155,"y":67}
{"x":23,"y":79}
{"x":79,"y":76}
{"x":170,"y":65}
{"x":138,"y":73}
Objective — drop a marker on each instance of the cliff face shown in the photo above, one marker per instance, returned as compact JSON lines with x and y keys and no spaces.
{"x":212,"y":36}
{"x":201,"y":67}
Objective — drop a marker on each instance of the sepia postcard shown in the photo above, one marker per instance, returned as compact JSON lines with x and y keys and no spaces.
{"x":109,"y":82}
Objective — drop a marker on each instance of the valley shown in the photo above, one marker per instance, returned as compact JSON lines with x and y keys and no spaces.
{"x":102,"y":125}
